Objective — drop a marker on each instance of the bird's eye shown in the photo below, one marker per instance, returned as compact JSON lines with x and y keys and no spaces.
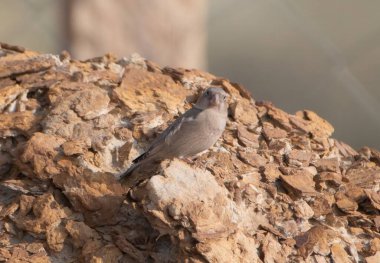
{"x":224,"y":97}
{"x":207,"y":93}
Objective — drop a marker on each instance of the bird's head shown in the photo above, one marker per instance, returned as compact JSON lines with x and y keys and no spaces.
{"x":213,"y":98}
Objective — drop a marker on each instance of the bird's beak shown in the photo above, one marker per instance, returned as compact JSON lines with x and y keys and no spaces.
{"x":214,"y":100}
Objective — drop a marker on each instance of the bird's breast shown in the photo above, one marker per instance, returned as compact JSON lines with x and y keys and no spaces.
{"x":216,"y":122}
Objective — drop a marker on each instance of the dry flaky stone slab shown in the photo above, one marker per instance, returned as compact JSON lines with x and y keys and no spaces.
{"x":275,"y":188}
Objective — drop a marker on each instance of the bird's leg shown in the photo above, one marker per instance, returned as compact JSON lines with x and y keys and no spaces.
{"x":188,"y":160}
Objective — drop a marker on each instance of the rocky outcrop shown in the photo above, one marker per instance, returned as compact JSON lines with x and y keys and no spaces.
{"x":275,"y":188}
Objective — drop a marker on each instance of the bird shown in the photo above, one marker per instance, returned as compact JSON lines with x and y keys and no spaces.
{"x":193,"y":132}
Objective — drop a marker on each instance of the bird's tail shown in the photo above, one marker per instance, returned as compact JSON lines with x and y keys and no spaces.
{"x":134,"y":174}
{"x":130,"y":170}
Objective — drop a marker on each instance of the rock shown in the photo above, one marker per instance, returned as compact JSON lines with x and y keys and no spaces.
{"x":33,"y":64}
{"x":375,"y":245}
{"x":373,"y":259}
{"x":364,"y":177}
{"x":314,"y":240}
{"x":299,"y":158}
{"x":35,"y":248}
{"x":374,"y":197}
{"x":322,"y":205}
{"x":271,"y":172}
{"x":94,"y":199}
{"x":327,"y":165}
{"x":107,"y":254}
{"x":4,"y":254}
{"x":272,"y":250}
{"x":8,"y":210}
{"x":243,"y":112}
{"x":16,"y":123}
{"x":275,"y":188}
{"x":80,"y":233}
{"x":248,"y":253}
{"x":9,"y":94}
{"x":279,"y":116}
{"x":300,"y":183}
{"x":46,"y":212}
{"x":247,"y":138}
{"x":26,"y":204}
{"x":141,"y":90}
{"x":125,"y":246}
{"x":332,"y":178}
{"x":347,"y":205}
{"x":303,"y":210}
{"x":339,"y":255}
{"x":25,"y":186}
{"x":252,"y":158}
{"x":84,"y":106}
{"x":184,"y":190}
{"x":73,"y":147}
{"x":55,"y":237}
{"x":345,"y":150}
{"x":40,"y":152}
{"x":271,"y":133}
{"x":310,"y":122}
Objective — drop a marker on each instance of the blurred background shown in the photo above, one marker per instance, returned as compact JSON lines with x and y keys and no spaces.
{"x":319,"y":55}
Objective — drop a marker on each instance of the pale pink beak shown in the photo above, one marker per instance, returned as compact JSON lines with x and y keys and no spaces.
{"x":214,"y":100}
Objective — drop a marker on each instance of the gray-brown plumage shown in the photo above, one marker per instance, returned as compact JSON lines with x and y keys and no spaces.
{"x":193,"y":132}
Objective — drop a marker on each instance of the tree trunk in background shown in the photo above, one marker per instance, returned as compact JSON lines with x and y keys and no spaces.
{"x":168,"y":32}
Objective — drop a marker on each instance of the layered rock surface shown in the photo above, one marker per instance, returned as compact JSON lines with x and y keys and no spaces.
{"x":275,"y":188}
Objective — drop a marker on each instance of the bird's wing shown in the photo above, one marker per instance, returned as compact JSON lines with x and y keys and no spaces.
{"x":165,"y":136}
